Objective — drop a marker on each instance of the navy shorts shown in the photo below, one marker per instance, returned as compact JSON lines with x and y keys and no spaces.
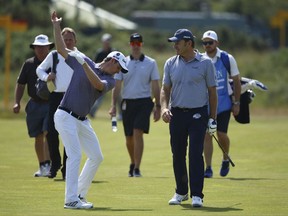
{"x":36,"y":117}
{"x":136,"y":114}
{"x":223,"y":119}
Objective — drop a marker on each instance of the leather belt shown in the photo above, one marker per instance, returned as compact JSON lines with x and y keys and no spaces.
{"x":81,"y":118}
{"x":184,"y":109}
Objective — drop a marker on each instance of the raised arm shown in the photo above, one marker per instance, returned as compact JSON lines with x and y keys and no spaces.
{"x":59,"y":42}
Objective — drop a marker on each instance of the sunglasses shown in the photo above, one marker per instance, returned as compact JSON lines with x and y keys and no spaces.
{"x":205,"y":43}
{"x":135,"y":43}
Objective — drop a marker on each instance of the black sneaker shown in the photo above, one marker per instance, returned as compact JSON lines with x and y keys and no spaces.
{"x":130,"y":173}
{"x":137,"y":173}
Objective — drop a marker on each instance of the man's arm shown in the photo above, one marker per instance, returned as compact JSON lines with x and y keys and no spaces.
{"x":156,"y":95}
{"x":43,"y":67}
{"x":164,"y":100}
{"x":19,"y":91}
{"x":93,"y":78}
{"x":156,"y":92}
{"x":59,"y":42}
{"x":115,"y":95}
{"x":213,"y":101}
{"x":237,"y":94}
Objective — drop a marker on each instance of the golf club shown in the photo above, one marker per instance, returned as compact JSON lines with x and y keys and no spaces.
{"x":225,"y":153}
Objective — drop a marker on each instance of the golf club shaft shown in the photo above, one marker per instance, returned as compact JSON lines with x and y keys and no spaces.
{"x":225,"y":153}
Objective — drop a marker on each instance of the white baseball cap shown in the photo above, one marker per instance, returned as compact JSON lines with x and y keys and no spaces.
{"x":106,"y":37}
{"x":210,"y":34}
{"x":42,"y":40}
{"x":118,"y":56}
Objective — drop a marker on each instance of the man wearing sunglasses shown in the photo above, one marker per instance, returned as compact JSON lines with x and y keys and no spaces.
{"x":137,"y":103}
{"x":228,"y":100}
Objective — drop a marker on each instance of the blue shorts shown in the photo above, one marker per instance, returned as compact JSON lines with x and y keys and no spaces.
{"x":136,"y":114}
{"x":223,"y":119}
{"x":36,"y":117}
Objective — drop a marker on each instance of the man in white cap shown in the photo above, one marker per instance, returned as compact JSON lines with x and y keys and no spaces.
{"x":36,"y":108}
{"x":89,"y":82}
{"x":228,"y":100}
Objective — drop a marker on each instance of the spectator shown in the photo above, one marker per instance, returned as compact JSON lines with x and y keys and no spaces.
{"x":36,"y":109}
{"x":137,"y":103}
{"x":188,"y":87}
{"x":101,"y":54}
{"x":228,"y":100}
{"x":61,"y":81}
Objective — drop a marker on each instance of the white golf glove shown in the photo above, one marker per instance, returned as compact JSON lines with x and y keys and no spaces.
{"x":212,"y":126}
{"x":78,"y":56}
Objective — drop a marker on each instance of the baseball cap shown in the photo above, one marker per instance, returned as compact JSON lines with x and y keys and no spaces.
{"x":136,"y":36}
{"x":41,"y":40}
{"x":210,"y":34}
{"x":181,"y":34}
{"x":118,"y":56}
{"x":106,"y":37}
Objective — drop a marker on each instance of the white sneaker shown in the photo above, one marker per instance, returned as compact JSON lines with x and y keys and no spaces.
{"x":38,"y":173}
{"x":43,"y":171}
{"x":177,"y":199}
{"x":83,"y":199}
{"x":78,"y":205}
{"x":197,"y":201}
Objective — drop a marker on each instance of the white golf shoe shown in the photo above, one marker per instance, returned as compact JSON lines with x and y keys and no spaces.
{"x":197,"y":201}
{"x":177,"y":199}
{"x":78,"y":205}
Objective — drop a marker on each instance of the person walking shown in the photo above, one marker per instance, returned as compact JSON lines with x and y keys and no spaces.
{"x":36,"y":109}
{"x":89,"y":81}
{"x":188,"y":87}
{"x":60,"y":81}
{"x":137,"y":103}
{"x":228,"y":100}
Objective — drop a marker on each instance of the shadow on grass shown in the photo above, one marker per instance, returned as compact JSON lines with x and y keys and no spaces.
{"x":212,"y":209}
{"x":116,"y":210}
{"x":245,"y":179}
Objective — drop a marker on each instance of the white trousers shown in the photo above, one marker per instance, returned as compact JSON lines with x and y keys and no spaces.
{"x":77,"y":135}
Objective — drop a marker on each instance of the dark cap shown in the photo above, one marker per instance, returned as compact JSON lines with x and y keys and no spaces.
{"x":181,"y":34}
{"x":136,"y":36}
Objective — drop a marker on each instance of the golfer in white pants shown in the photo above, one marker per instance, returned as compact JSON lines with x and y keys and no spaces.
{"x":89,"y":82}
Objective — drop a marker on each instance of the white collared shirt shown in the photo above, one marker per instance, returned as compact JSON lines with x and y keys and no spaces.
{"x":63,"y":74}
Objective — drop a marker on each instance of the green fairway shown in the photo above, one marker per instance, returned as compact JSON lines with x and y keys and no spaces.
{"x":257,"y":185}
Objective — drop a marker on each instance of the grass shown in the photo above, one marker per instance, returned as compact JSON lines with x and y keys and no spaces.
{"x":257,"y":185}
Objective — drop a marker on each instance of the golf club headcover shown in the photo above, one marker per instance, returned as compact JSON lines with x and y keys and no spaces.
{"x":78,"y":57}
{"x":212,"y":126}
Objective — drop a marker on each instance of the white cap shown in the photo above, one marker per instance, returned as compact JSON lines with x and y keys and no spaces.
{"x":106,"y":37}
{"x":210,"y":34}
{"x":42,"y":40}
{"x":118,"y":56}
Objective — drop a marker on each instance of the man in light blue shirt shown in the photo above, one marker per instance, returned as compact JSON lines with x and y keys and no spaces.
{"x":188,"y":87}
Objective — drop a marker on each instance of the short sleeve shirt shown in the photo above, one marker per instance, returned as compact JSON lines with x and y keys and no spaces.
{"x":189,"y":81}
{"x":81,"y":95}
{"x":137,"y":82}
{"x":28,"y":76}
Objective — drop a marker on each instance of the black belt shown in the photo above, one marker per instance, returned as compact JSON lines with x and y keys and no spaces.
{"x":73,"y":114}
{"x":189,"y":109}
